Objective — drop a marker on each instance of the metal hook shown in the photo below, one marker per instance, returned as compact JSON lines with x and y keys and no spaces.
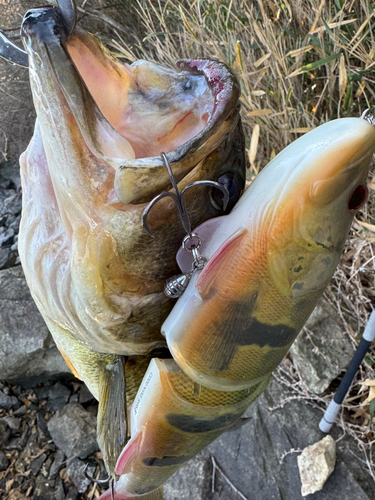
{"x":179,"y":199}
{"x":112,"y":489}
{"x":92,"y":480}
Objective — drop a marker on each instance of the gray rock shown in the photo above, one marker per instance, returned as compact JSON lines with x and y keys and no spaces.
{"x":59,"y":493}
{"x":7,"y":258}
{"x":37,"y":463}
{"x":7,"y":402}
{"x":85,"y":395}
{"x":322,"y":350}
{"x":260,"y":457}
{"x":75,"y":471}
{"x":4,"y":462}
{"x":21,"y":411}
{"x":4,"y":432}
{"x":26,"y":347}
{"x":12,"y":422}
{"x":73,"y":430}
{"x":196,"y":484}
{"x":56,"y":464}
{"x":6,"y":235}
{"x":42,"y":427}
{"x":253,"y":457}
{"x":316,"y":463}
{"x":59,"y":390}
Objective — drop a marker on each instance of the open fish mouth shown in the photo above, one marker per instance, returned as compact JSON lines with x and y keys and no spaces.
{"x":128,"y":114}
{"x":91,"y":167}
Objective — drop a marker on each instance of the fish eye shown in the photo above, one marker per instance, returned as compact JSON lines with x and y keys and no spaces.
{"x":187,"y":85}
{"x":234,"y":184}
{"x":358,"y":197}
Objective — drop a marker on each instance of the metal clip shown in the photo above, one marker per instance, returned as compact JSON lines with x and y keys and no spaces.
{"x":175,"y":286}
{"x":109,"y":480}
{"x":10,"y":52}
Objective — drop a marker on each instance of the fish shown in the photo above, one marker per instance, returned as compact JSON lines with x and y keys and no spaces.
{"x":268,"y":262}
{"x":91,"y":168}
{"x":271,"y":258}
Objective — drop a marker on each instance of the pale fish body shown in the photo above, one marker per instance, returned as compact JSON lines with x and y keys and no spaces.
{"x":91,"y":168}
{"x":271,"y":258}
{"x":268,"y":263}
{"x":171,"y":420}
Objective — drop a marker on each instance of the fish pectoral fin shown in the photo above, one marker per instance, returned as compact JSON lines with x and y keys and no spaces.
{"x":128,"y":453}
{"x":112,"y":412}
{"x":218,"y":262}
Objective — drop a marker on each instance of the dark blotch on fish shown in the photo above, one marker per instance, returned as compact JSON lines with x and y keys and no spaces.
{"x":188,"y":423}
{"x":166,"y":461}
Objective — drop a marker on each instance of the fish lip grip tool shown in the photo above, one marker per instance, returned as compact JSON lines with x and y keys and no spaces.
{"x":334,"y":406}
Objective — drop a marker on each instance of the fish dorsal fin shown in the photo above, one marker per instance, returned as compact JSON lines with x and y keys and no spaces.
{"x":218,"y":262}
{"x":205,"y":231}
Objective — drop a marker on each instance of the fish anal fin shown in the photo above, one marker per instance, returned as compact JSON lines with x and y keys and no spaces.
{"x":218,"y":262}
{"x":70,"y":364}
{"x":112,"y":420}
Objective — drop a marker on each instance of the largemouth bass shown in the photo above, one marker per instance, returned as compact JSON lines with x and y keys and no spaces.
{"x":269,"y":261}
{"x":91,"y":167}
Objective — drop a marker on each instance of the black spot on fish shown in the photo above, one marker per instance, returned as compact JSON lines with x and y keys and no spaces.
{"x":298,"y":269}
{"x":188,"y":423}
{"x":301,"y":258}
{"x":166,"y":461}
{"x":320,"y":244}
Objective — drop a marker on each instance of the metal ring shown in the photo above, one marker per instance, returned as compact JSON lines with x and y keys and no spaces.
{"x":190,"y":239}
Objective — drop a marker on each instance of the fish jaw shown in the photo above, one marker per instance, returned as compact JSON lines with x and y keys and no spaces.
{"x":239,"y":316}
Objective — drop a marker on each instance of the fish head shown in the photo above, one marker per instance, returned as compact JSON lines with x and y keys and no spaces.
{"x":322,"y":186}
{"x":94,"y":164}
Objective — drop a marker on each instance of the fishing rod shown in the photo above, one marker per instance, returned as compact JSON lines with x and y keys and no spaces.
{"x":335,"y":405}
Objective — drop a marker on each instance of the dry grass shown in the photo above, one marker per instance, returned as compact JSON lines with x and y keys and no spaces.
{"x":300,"y":64}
